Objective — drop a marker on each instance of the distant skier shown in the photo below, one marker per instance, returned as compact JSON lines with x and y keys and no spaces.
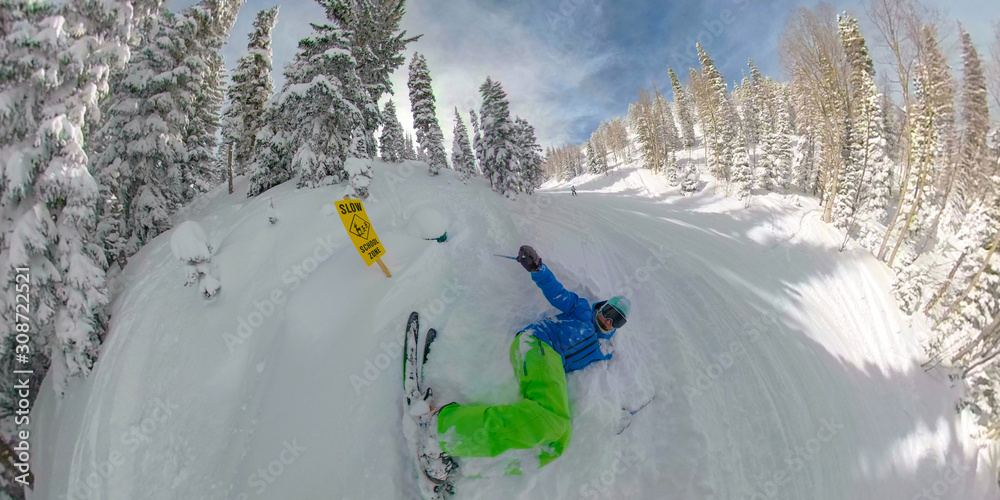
{"x":541,"y":354}
{"x":573,"y":189}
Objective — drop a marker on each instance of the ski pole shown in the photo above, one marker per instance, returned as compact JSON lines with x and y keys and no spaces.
{"x":505,"y":256}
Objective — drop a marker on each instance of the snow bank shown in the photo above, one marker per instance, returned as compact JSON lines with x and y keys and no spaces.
{"x":778,"y":367}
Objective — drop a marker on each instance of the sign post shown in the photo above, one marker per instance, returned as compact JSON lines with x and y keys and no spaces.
{"x":359,"y":228}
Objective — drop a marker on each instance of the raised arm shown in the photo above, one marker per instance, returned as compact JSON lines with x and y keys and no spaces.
{"x":557,"y":295}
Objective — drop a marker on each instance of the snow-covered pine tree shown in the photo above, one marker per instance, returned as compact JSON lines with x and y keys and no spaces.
{"x":924,"y":153}
{"x":207,"y":24}
{"x":498,"y":148}
{"x":271,"y":163}
{"x":689,"y":178}
{"x":969,"y":327}
{"x":757,"y":116}
{"x":593,"y":164}
{"x":152,"y":158}
{"x":250,"y":93}
{"x":666,"y":130}
{"x":643,"y":118}
{"x":711,"y":108}
{"x":748,"y":136}
{"x":974,"y":175}
{"x":932,"y":149}
{"x":683,"y":109}
{"x":377,"y":45}
{"x":717,"y":117}
{"x":408,"y":151}
{"x":392,"y":142}
{"x":320,"y":100}
{"x":806,"y":172}
{"x":425,"y":122}
{"x":604,"y":146}
{"x":529,"y":156}
{"x":743,"y":174}
{"x":776,"y":147}
{"x":462,"y":158}
{"x":56,"y":60}
{"x":603,"y":156}
{"x":141,"y":145}
{"x":864,"y":183}
{"x":476,"y":138}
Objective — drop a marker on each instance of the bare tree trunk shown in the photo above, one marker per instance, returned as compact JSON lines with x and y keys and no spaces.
{"x":944,"y":286}
{"x":909,"y":219}
{"x":949,"y":188}
{"x":230,"y":164}
{"x":899,"y":208}
{"x":973,"y":281}
{"x":984,"y":335}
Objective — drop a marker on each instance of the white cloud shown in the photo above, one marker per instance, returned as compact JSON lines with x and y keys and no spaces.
{"x":467,"y":43}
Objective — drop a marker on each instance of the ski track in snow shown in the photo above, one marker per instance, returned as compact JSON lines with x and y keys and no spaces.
{"x":780,"y":367}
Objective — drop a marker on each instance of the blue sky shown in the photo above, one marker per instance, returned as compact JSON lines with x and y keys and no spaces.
{"x":569,"y":64}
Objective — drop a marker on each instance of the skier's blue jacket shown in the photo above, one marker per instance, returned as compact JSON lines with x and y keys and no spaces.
{"x":573,"y":333}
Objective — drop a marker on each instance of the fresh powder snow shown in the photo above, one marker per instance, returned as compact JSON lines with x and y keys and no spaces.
{"x":774,"y":366}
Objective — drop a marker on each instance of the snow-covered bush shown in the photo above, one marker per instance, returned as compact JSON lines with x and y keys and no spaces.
{"x":190,"y":245}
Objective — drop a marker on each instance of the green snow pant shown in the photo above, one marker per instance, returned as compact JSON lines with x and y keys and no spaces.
{"x":541,"y":419}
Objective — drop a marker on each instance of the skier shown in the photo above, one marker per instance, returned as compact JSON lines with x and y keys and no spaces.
{"x":573,"y":188}
{"x":542,"y":354}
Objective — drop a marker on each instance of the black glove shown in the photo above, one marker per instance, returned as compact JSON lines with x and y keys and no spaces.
{"x":529,"y":259}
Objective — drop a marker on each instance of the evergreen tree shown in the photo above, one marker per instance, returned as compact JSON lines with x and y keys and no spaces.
{"x":756,"y":112}
{"x":974,"y":181}
{"x":743,"y":174}
{"x":666,"y":131}
{"x":271,"y":162}
{"x":393,"y":143}
{"x":207,"y":25}
{"x":689,"y":178}
{"x":807,"y":172}
{"x":151,"y":157}
{"x":408,"y":152}
{"x":56,"y":61}
{"x":529,"y":156}
{"x":644,"y":117}
{"x":429,"y":136}
{"x":498,"y":148}
{"x":593,"y":164}
{"x":924,"y":153}
{"x":377,"y":45}
{"x":864,"y":183}
{"x":476,"y":137}
{"x":683,"y":109}
{"x":932,"y":168}
{"x":462,"y":158}
{"x":249,"y":93}
{"x":322,"y":100}
{"x":140,"y":148}
{"x":717,"y":117}
{"x":776,"y":147}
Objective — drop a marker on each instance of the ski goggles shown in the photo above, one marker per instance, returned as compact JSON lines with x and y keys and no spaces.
{"x":612,"y":313}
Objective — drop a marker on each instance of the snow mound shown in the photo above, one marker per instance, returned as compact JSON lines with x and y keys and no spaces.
{"x":428,"y":223}
{"x":189,"y":243}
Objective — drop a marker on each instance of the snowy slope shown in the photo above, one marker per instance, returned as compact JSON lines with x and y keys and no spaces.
{"x":780,"y":367}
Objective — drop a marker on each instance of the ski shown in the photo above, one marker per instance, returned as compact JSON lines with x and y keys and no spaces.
{"x":429,"y":482}
{"x":411,"y":386}
{"x":428,"y":340}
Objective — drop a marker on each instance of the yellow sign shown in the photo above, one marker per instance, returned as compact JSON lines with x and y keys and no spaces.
{"x":355,"y":219}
